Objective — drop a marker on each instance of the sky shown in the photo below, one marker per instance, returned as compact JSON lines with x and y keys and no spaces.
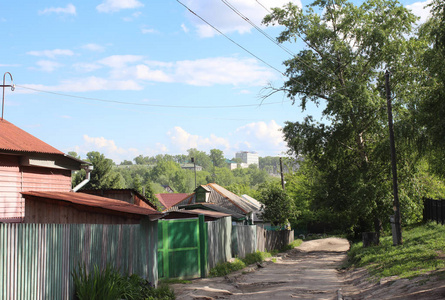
{"x":148,"y":77}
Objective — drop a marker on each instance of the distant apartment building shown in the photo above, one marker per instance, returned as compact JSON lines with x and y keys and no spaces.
{"x":248,"y":158}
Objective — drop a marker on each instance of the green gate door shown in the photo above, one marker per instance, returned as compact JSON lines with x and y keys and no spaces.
{"x":182,"y":249}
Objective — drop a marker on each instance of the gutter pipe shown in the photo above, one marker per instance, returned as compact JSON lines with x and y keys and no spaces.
{"x":88,"y":169}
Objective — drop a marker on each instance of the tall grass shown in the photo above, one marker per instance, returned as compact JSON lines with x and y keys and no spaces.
{"x":110,"y":284}
{"x":423,"y":250}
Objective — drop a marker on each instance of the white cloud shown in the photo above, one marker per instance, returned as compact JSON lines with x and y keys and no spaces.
{"x":109,"y":6}
{"x":86,"y":67}
{"x":226,"y":20}
{"x":262,"y":135}
{"x":182,"y":140}
{"x":148,"y":30}
{"x":184,"y":28}
{"x":69,"y":9}
{"x":88,"y":84}
{"x":93,"y":47}
{"x":420,"y":10}
{"x":51,"y":53}
{"x":48,"y":65}
{"x":145,"y":73}
{"x":9,"y":65}
{"x":133,"y":16}
{"x":120,"y":61}
{"x":107,"y":147}
{"x":222,"y":70}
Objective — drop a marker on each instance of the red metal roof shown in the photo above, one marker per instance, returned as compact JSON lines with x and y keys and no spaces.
{"x":171,"y":199}
{"x":95,"y":201}
{"x":13,"y":138}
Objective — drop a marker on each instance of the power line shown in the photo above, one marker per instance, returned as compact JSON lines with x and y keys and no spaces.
{"x":320,"y":72}
{"x":150,"y":105}
{"x":220,"y":32}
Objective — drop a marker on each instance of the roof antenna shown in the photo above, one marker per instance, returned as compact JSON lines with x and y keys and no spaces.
{"x":12,"y":86}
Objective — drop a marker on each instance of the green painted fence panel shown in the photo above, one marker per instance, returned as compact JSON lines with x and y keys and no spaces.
{"x":179,"y":249}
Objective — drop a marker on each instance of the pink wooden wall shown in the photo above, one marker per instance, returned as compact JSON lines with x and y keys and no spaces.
{"x":15,"y":179}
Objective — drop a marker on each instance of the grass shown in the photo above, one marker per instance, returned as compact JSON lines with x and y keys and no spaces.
{"x":422,"y":251}
{"x":225,"y":268}
{"x":110,"y":284}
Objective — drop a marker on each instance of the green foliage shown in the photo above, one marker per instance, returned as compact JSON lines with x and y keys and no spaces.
{"x":225,"y":268}
{"x":110,"y":284}
{"x":279,"y":207}
{"x":422,"y":251}
{"x":347,"y":49}
{"x":103,"y":175}
{"x":217,"y":158}
{"x":292,"y":245}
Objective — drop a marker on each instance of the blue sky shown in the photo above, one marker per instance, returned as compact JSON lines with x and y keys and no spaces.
{"x":184,"y":85}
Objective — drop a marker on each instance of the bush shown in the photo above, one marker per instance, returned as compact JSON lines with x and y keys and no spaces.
{"x":110,"y":284}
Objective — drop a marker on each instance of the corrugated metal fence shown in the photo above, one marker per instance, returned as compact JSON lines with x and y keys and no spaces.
{"x":434,"y":210}
{"x":219,"y":241}
{"x":36,"y":260}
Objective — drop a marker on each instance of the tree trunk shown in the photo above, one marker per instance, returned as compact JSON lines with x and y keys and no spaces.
{"x":370,"y":239}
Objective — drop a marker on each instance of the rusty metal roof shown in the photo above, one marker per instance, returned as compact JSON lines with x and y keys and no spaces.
{"x":96,"y":201}
{"x":170,"y":199}
{"x":13,"y":138}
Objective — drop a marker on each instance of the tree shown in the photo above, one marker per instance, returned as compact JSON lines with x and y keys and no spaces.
{"x":431,"y":107}
{"x":279,"y":208}
{"x":103,"y":176}
{"x":217,"y":157}
{"x":347,"y":49}
{"x":201,"y":158}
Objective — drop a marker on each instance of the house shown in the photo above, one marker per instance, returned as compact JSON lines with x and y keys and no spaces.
{"x":128,"y":195}
{"x":81,"y":208}
{"x":35,"y":186}
{"x":29,"y":164}
{"x":168,"y":200}
{"x":191,"y":167}
{"x":214,"y":197}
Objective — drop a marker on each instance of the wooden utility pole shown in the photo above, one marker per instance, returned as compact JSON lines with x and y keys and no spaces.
{"x":282,"y":175}
{"x":194,"y":167}
{"x":397,"y":228}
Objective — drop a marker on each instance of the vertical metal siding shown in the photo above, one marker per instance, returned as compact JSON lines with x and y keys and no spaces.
{"x":37,"y":260}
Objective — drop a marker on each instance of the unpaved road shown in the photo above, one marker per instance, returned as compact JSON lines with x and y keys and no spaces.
{"x":310,"y":271}
{"x":306,"y":272}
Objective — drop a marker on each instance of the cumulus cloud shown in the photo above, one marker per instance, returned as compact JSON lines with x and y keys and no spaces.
{"x":148,"y":31}
{"x":48,"y":65}
{"x":261,"y":135}
{"x":93,"y":47}
{"x":184,"y":28}
{"x":86,"y":67}
{"x":88,"y":84}
{"x":420,"y":10}
{"x":226,"y":20}
{"x":107,"y":147}
{"x":69,"y":9}
{"x":132,"y":72}
{"x":109,"y":6}
{"x":182,"y":140}
{"x":51,"y":53}
{"x":120,"y":61}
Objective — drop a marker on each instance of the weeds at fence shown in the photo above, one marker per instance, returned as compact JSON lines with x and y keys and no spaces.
{"x":111,"y":284}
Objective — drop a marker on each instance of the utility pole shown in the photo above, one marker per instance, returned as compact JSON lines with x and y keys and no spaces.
{"x":397,"y":228}
{"x":282,"y":175}
{"x":194,"y":167}
{"x":12,"y":86}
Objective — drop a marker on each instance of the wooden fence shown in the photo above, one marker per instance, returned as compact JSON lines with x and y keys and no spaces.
{"x":434,"y":210}
{"x":37,"y":260}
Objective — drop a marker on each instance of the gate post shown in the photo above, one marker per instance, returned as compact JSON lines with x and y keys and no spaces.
{"x":202,"y":246}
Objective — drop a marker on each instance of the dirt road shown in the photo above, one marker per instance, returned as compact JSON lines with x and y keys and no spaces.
{"x":306,"y":272}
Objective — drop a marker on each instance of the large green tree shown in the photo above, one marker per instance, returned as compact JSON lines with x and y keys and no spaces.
{"x":347,"y":49}
{"x":103,"y":176}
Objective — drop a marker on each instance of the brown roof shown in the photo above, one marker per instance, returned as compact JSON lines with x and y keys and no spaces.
{"x":170,"y":199}
{"x":96,"y":201}
{"x":13,"y":138}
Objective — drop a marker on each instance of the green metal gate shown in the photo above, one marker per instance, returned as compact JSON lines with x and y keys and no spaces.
{"x":182,"y":248}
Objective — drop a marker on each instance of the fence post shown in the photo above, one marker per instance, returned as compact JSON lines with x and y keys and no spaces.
{"x":202,"y":246}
